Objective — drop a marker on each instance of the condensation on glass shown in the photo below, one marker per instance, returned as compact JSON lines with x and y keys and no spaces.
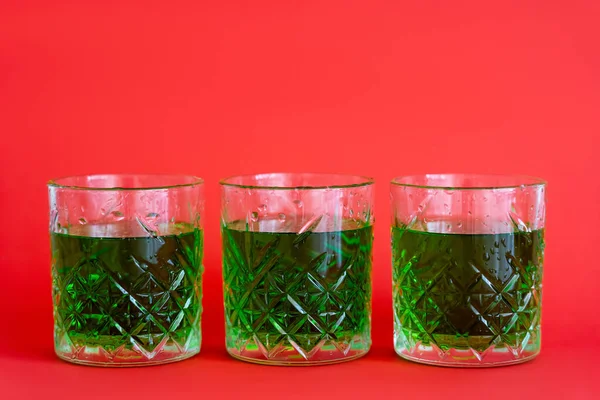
{"x":468,"y":254}
{"x":297,"y":254}
{"x":126,"y":268}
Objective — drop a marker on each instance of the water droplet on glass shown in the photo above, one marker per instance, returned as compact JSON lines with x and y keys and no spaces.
{"x":459,"y":224}
{"x":449,"y":192}
{"x":446,"y":207}
{"x":470,"y":213}
{"x":503,"y":241}
{"x":262,"y":208}
{"x":487,"y":215}
{"x":254,"y":216}
{"x":410,"y":196}
{"x":281,"y":217}
{"x":102,"y":211}
{"x":522,"y":187}
{"x":486,"y":256}
{"x":531,"y":207}
{"x":152,"y":215}
{"x":496,"y":244}
{"x":298,"y":203}
{"x":351,"y":212}
{"x":82,"y":221}
{"x":117,"y":215}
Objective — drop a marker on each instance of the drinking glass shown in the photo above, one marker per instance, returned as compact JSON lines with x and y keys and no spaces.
{"x":126,"y":268}
{"x":468,"y":254}
{"x":297,"y":267}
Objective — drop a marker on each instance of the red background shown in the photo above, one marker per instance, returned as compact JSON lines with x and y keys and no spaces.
{"x":380,"y":88}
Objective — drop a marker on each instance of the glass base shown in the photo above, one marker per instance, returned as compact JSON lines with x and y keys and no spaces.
{"x":90,"y":357}
{"x":324,"y":353}
{"x":126,"y":355}
{"x":491,"y":357}
{"x":299,"y":363}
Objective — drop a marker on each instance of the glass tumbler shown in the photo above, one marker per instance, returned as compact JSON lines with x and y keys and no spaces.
{"x":468,"y":254}
{"x":297,"y":254}
{"x":126,"y":268}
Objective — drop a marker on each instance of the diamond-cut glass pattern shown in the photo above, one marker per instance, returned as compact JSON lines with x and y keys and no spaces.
{"x":127,"y":300}
{"x":467,"y":299}
{"x":293,"y":298}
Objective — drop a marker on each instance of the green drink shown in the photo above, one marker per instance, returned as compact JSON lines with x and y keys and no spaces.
{"x":126,"y":299}
{"x":468,"y":254}
{"x":297,"y":296}
{"x":467,"y":296}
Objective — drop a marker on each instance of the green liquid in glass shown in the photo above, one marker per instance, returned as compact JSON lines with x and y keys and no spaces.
{"x":117,"y":293}
{"x":465,"y":291}
{"x":297,"y":292}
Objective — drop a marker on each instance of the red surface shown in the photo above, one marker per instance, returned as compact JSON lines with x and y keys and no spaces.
{"x":376,"y":88}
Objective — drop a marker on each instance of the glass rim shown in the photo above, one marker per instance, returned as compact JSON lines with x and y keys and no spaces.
{"x":524,"y":181}
{"x":364,"y":181}
{"x":194,"y":181}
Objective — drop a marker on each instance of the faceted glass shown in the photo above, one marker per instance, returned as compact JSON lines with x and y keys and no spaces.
{"x":297,"y":254}
{"x":126,"y":268}
{"x":468,"y":254}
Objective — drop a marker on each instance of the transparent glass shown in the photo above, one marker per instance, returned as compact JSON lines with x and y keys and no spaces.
{"x":468,"y":254}
{"x":297,"y":254}
{"x":126,"y":268}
